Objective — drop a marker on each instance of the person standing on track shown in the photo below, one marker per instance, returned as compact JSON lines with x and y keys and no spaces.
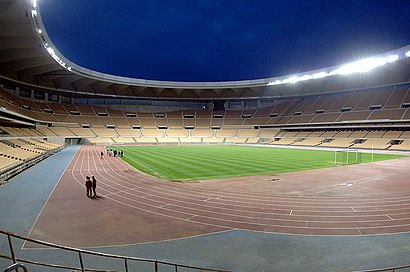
{"x":88,"y":185}
{"x":94,"y":185}
{"x":102,"y":154}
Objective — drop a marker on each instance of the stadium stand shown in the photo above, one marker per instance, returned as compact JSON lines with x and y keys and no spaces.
{"x":106,"y":125}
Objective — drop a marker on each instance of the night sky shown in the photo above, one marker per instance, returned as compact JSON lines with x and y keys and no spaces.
{"x":217,"y":40}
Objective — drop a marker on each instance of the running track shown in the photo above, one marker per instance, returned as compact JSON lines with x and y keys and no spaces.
{"x":135,"y":208}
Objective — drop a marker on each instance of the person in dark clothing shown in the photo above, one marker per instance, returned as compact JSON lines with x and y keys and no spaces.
{"x":102,"y":154}
{"x":94,"y":185}
{"x":88,"y":185}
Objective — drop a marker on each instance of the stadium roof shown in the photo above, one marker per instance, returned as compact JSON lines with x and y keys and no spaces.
{"x":27,"y":56}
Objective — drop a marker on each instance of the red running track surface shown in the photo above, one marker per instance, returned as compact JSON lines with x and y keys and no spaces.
{"x":133,"y":207}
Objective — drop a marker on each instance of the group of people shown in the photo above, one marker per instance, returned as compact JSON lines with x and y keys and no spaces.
{"x":91,"y":185}
{"x":113,"y":152}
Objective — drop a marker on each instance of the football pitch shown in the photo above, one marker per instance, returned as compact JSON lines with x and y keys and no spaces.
{"x":198,"y":162}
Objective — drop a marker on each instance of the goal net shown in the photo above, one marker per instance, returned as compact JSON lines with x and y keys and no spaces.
{"x":348,"y":156}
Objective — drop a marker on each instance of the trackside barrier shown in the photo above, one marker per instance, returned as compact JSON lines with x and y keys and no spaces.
{"x":13,"y":170}
{"x":81,"y":253}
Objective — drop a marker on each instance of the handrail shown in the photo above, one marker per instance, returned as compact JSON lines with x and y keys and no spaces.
{"x":82,"y":252}
{"x":15,"y":267}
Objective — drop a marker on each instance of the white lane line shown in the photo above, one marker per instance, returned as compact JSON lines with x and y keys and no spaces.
{"x":213,"y":198}
{"x":353,"y":209}
{"x":359,"y":231}
{"x":291,"y":211}
{"x":389,"y":217}
{"x":48,"y":198}
{"x":189,"y":218}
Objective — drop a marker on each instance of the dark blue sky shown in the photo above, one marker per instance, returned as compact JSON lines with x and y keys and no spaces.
{"x":217,"y":40}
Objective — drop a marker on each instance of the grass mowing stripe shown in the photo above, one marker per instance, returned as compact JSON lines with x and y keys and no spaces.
{"x":268,"y":164}
{"x":256,"y":161}
{"x":194,"y":164}
{"x":298,"y":165}
{"x":164,"y":164}
{"x":229,"y":163}
{"x":205,"y":161}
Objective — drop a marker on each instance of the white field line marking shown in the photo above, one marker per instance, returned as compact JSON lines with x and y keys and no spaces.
{"x":205,"y":206}
{"x":194,"y":220}
{"x":213,"y":198}
{"x":353,"y":209}
{"x":121,"y":191}
{"x":338,"y":187}
{"x":258,"y":196}
{"x":189,"y":218}
{"x":242,"y":216}
{"x":389,"y":217}
{"x":291,"y":211}
{"x":359,"y":231}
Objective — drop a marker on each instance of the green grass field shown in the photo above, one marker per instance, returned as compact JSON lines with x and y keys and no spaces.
{"x":198,"y":162}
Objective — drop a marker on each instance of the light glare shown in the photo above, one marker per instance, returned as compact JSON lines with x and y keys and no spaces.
{"x":392,"y":58}
{"x":320,"y":75}
{"x":360,"y":66}
{"x":34,"y":3}
{"x":292,"y":79}
{"x":306,"y":77}
{"x":408,"y":54}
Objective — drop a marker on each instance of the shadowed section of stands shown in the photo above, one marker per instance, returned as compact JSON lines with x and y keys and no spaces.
{"x":19,"y":154}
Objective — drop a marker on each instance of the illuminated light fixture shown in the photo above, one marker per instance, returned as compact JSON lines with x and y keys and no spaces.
{"x":320,"y":75}
{"x":39,"y":31}
{"x":408,"y":54}
{"x":34,"y":13}
{"x":276,"y":82}
{"x":292,"y":79}
{"x":34,"y":3}
{"x":392,"y":58}
{"x":69,"y":68}
{"x":50,"y":50}
{"x":305,"y":77}
{"x":360,"y":66}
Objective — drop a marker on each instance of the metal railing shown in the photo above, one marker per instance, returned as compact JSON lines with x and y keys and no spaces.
{"x":81,"y":253}
{"x":15,"y":267}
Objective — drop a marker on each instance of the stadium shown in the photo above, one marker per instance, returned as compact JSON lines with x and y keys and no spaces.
{"x":301,"y":172}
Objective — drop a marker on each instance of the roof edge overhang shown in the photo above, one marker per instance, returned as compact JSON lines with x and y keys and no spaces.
{"x":41,"y":34}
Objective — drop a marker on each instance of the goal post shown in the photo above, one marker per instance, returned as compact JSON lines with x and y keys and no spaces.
{"x":348,"y":156}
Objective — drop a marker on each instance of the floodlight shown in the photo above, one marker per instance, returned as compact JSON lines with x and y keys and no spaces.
{"x":361,"y":66}
{"x":50,"y":50}
{"x":408,"y":54}
{"x":305,"y":77}
{"x":320,"y":75}
{"x":392,"y":58}
{"x":276,"y":82}
{"x":292,"y":79}
{"x":34,"y":3}
{"x":39,"y":31}
{"x":34,"y":13}
{"x":69,"y":68}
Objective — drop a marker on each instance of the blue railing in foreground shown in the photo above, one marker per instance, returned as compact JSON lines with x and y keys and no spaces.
{"x":81,"y":253}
